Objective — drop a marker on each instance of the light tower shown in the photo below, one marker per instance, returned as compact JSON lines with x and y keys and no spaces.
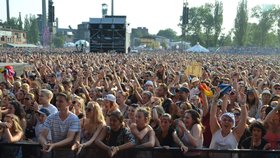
{"x":8,"y":10}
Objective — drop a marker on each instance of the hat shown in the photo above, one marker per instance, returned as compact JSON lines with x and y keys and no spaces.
{"x":195,"y":79}
{"x":110,"y":97}
{"x":229,"y":115}
{"x":44,"y":111}
{"x":266,"y":92}
{"x":184,"y":89}
{"x":149,"y":83}
{"x":276,"y":84}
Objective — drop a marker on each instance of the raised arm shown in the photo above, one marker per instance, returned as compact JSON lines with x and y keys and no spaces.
{"x":214,"y":124}
{"x":240,"y":128}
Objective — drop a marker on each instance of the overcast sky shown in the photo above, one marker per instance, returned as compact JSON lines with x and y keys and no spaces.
{"x":153,"y":14}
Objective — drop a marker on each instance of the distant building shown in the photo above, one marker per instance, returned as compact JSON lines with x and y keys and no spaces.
{"x":138,"y":33}
{"x":83,"y":32}
{"x":68,"y":33}
{"x":12,"y":36}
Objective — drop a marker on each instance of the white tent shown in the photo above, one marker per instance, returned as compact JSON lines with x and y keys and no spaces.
{"x":69,"y":44}
{"x":198,"y":49}
{"x":79,"y":43}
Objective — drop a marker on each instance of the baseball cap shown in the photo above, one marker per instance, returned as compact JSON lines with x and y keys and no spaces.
{"x":195,"y":79}
{"x":266,"y":91}
{"x":44,"y":111}
{"x":110,"y":97}
{"x":229,"y":115}
{"x":149,"y":83}
{"x":184,"y":89}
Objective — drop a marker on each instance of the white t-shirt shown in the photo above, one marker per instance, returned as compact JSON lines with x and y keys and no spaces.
{"x":52,"y":109}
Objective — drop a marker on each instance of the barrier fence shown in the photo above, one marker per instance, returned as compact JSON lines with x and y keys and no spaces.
{"x":33,"y":150}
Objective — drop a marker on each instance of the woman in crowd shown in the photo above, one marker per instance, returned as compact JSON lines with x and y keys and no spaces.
{"x":91,"y":127}
{"x":192,"y":129}
{"x":144,"y":134}
{"x":224,"y":133}
{"x":121,"y":101}
{"x":16,"y":109}
{"x":11,"y":132}
{"x":131,"y":115}
{"x":253,"y":103}
{"x":110,"y":105}
{"x":78,"y":108}
{"x":166,"y":136}
{"x":116,"y":137}
{"x":272,"y":125}
{"x":30,"y":115}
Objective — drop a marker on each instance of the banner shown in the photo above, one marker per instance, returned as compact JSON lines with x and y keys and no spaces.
{"x":194,"y":69}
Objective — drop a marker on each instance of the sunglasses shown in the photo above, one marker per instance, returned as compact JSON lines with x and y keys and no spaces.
{"x":237,"y":114}
{"x":277,"y":88}
{"x":26,"y":99}
{"x":74,"y":102}
{"x":88,"y":109}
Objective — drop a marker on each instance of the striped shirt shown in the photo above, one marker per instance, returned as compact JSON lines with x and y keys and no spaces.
{"x":59,"y":129}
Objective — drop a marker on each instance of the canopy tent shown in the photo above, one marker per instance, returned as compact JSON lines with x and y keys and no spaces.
{"x":69,"y":44}
{"x":11,"y":45}
{"x":80,"y":43}
{"x":198,"y":49}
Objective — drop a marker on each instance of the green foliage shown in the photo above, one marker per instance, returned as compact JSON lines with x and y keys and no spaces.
{"x":168,"y":33}
{"x":267,"y":18}
{"x":58,"y":41}
{"x":218,"y":21}
{"x":241,"y":23}
{"x":33,"y":31}
{"x":205,"y":24}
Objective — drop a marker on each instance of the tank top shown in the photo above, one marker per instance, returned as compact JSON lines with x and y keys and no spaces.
{"x":186,"y":140}
{"x":220,"y":142}
{"x":273,"y":139}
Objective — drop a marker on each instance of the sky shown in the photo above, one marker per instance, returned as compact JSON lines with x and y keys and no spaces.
{"x":153,"y":14}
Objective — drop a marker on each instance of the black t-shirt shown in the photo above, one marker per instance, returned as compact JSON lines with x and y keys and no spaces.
{"x":166,"y":104}
{"x":167,"y":140}
{"x":247,"y":144}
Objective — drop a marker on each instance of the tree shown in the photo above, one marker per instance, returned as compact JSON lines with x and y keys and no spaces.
{"x":19,"y":22}
{"x":58,"y":41}
{"x":168,"y":33}
{"x":12,"y":22}
{"x":241,"y":23}
{"x":33,"y":32}
{"x":26,"y":24}
{"x":218,"y":20}
{"x":266,"y":16}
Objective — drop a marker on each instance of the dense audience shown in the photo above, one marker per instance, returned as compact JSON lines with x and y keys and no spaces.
{"x":102,"y":104}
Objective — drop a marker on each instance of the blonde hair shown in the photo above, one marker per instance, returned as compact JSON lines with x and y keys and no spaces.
{"x":146,"y":112}
{"x":82,"y":102}
{"x":47,"y":92}
{"x":25,"y":87}
{"x":16,"y":123}
{"x":98,"y":114}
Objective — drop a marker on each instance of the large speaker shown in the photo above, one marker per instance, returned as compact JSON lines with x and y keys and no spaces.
{"x":108,"y":34}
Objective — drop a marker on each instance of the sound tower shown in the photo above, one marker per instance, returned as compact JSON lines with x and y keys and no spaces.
{"x":108,"y":34}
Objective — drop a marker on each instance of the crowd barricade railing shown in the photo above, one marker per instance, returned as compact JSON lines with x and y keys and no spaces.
{"x":34,"y":150}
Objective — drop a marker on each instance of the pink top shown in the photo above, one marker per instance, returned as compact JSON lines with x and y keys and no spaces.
{"x":273,"y":139}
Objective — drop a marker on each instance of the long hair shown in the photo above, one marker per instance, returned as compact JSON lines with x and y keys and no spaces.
{"x":98,"y":114}
{"x":19,"y":111}
{"x":196,"y":117}
{"x":16,"y":123}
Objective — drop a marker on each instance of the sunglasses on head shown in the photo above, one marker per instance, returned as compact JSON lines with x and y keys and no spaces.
{"x":88,"y":109}
{"x":236,"y":114}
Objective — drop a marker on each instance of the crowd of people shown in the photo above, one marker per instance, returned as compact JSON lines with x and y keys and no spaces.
{"x":102,"y":104}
